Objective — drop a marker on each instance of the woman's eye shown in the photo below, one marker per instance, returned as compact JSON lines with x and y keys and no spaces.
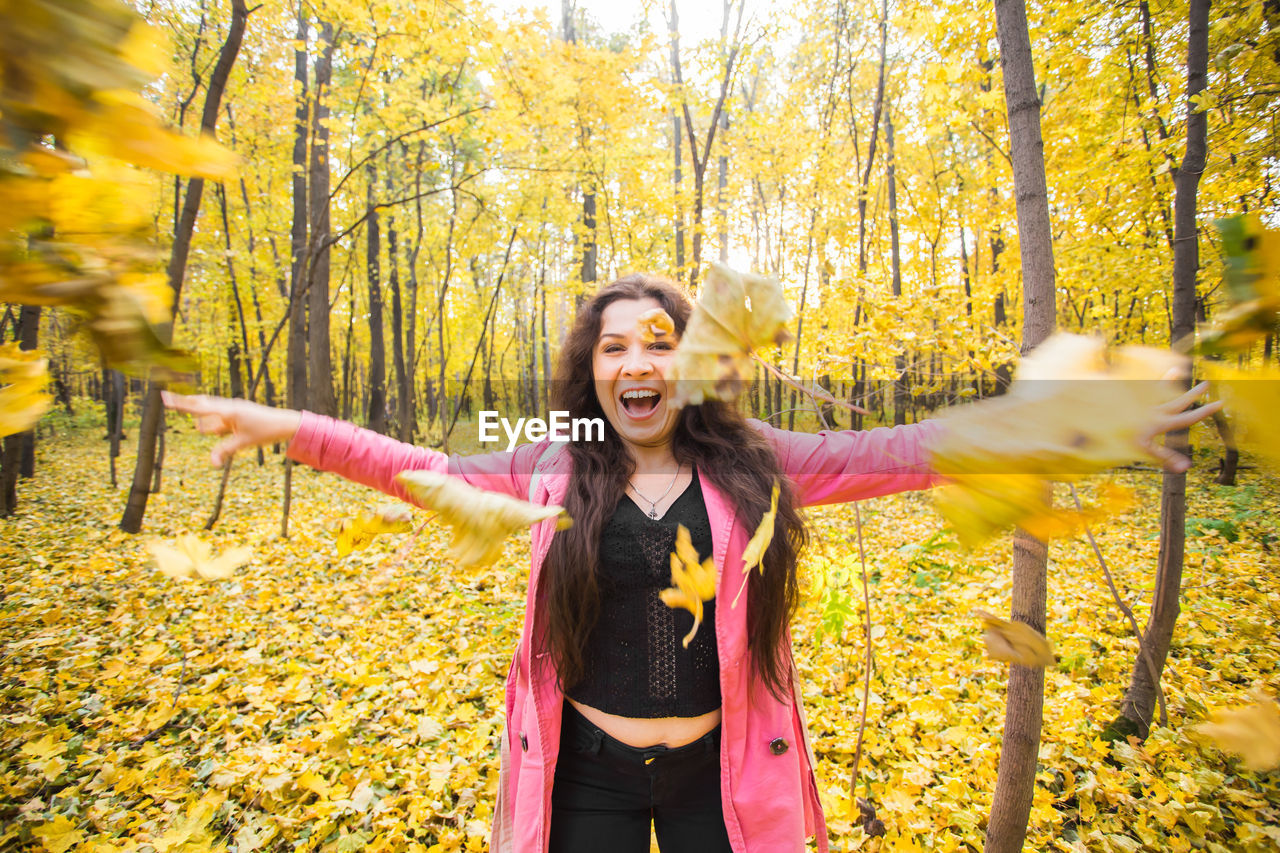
{"x":661,"y":345}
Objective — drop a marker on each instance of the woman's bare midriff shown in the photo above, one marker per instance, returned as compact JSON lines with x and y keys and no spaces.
{"x":659,"y":731}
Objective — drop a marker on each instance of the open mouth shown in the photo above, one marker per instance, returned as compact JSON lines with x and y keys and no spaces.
{"x":639,"y":402}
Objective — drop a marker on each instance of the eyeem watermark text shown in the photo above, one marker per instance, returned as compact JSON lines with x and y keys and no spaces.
{"x":559,"y":427}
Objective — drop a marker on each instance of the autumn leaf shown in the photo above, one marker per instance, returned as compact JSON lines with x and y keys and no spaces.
{"x":193,"y":558}
{"x":1252,"y":274}
{"x":58,"y":835}
{"x":1253,"y":398}
{"x":735,"y":314}
{"x":1252,"y":732}
{"x":1014,"y":642}
{"x":23,"y":378}
{"x":655,"y":323}
{"x":481,"y":520}
{"x":753,"y":554}
{"x":353,"y":534}
{"x":693,"y":582}
{"x":1074,"y":409}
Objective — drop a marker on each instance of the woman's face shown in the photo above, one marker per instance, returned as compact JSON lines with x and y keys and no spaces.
{"x":630,"y":375}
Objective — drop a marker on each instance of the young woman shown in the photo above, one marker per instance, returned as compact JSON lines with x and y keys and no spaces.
{"x":612,"y":724}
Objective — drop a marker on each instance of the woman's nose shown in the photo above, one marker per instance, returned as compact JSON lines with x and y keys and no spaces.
{"x":637,"y":363}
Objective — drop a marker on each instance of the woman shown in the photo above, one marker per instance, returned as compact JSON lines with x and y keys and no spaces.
{"x":611,"y":722}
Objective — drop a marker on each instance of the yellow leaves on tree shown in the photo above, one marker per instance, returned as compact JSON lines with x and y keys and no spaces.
{"x":735,"y":314}
{"x":75,"y":222}
{"x":22,"y":382}
{"x":1074,"y":409}
{"x":356,"y":533}
{"x":694,"y":581}
{"x":481,"y":520}
{"x":1252,"y":732}
{"x":1014,"y":642}
{"x":191,"y":557}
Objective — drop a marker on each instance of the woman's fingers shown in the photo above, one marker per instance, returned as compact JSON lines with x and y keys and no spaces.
{"x":1186,"y":398}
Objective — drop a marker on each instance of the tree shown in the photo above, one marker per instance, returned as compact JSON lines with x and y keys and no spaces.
{"x":1140,"y":698}
{"x":1020,"y":746}
{"x":153,"y":410}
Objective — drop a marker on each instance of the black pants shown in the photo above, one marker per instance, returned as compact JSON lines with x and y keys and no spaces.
{"x":606,"y":793}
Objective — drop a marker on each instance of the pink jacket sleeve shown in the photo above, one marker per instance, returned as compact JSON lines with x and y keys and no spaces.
{"x":366,"y":457}
{"x":835,"y":467}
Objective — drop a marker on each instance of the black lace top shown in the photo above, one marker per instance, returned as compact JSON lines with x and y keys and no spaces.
{"x":636,"y":665}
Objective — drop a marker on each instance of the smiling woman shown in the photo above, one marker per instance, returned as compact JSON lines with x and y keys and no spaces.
{"x":619,"y":717}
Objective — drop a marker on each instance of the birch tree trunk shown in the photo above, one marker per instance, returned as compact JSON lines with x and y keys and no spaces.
{"x":319,"y":359}
{"x":1024,"y":703}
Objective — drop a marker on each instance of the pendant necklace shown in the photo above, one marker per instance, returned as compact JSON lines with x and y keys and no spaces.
{"x":653,"y":505}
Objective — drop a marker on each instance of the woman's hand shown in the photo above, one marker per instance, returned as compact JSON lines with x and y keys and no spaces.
{"x":244,"y":423}
{"x":1176,"y":415}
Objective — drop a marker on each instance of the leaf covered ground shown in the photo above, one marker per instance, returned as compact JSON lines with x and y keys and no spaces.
{"x":318,"y":702}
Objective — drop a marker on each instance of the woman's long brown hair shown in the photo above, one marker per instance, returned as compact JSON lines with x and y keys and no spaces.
{"x":727,"y":450}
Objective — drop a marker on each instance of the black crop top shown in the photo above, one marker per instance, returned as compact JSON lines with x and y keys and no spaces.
{"x":635,"y":663}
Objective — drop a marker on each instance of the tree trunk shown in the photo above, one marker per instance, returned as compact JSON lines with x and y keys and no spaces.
{"x":296,"y":360}
{"x":144,"y":471}
{"x":404,"y":389}
{"x":19,"y":449}
{"x":865,"y":183}
{"x":1015,"y":782}
{"x":376,"y":415}
{"x":677,"y":175}
{"x":900,"y":399}
{"x":1140,"y":698}
{"x":319,"y":360}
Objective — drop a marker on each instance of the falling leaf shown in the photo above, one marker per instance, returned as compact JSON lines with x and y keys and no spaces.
{"x":356,"y":533}
{"x":481,"y":520}
{"x":193,"y":558}
{"x":1252,"y":397}
{"x":1074,"y":409}
{"x":655,"y":323}
{"x":1252,"y":273}
{"x":23,"y":375}
{"x":753,"y":554}
{"x":735,"y":314}
{"x":694,"y":582}
{"x":1252,"y":732}
{"x":1014,"y":642}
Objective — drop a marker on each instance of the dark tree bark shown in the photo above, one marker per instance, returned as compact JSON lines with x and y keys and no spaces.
{"x":296,"y":391}
{"x":864,"y":183}
{"x":145,"y":471}
{"x":404,"y":387}
{"x":376,"y":416}
{"x":1020,"y":746}
{"x":18,"y":455}
{"x":1140,"y":698}
{"x":319,"y":360}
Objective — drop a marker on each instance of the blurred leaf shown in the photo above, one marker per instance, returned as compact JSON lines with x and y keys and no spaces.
{"x":1252,"y":732}
{"x":1014,"y":642}
{"x":357,"y":533}
{"x":481,"y":520}
{"x":735,"y":314}
{"x":753,"y":554}
{"x":655,"y":323}
{"x":23,"y":376}
{"x":1252,"y":272}
{"x":193,"y":558}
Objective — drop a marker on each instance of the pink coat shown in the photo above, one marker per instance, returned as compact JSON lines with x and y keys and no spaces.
{"x":767,"y":785}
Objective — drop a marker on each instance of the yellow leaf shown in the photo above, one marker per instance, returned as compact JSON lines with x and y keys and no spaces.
{"x":359,"y":532}
{"x":1253,"y":732}
{"x":694,"y":582}
{"x":22,"y":380}
{"x":735,"y":314}
{"x":655,"y":323}
{"x":1015,"y":642}
{"x":753,"y":554}
{"x":481,"y":520}
{"x":58,"y":835}
{"x":192,"y":558}
{"x":1253,"y":398}
{"x":45,"y":748}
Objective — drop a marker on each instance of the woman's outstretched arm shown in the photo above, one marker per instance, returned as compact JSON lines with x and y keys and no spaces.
{"x":360,"y":455}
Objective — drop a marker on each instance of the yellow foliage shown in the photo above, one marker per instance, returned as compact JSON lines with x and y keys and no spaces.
{"x":192,"y":558}
{"x":1014,"y":642}
{"x":1253,"y":732}
{"x":23,"y":378}
{"x":354,"y":534}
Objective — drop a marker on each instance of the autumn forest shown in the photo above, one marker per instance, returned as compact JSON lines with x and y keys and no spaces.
{"x":390,"y":211}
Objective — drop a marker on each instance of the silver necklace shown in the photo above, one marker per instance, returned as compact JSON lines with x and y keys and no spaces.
{"x":653,"y":505}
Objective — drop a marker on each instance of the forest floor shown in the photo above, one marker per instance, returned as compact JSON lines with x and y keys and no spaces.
{"x":313,"y":702}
